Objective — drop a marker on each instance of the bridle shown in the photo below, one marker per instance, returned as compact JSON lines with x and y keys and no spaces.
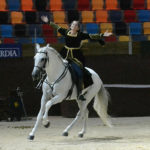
{"x":42,"y":68}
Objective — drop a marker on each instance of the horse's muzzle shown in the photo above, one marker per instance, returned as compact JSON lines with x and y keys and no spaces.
{"x":35,"y":75}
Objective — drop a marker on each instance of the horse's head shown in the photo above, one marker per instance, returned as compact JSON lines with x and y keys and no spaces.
{"x":40,"y":61}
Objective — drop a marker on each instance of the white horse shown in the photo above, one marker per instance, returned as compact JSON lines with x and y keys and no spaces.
{"x":58,"y":83}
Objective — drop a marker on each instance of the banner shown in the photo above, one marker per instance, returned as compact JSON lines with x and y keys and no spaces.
{"x":10,"y":51}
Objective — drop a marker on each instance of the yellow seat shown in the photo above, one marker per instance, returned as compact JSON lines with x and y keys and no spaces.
{"x":55,"y":5}
{"x":146,"y":27}
{"x":3,"y":5}
{"x":63,"y":26}
{"x":111,"y":4}
{"x":87,"y":16}
{"x":59,"y":16}
{"x":123,"y":38}
{"x":97,"y":4}
{"x":101,"y":16}
{"x":106,"y":26}
{"x":27,"y":5}
{"x":16,"y":17}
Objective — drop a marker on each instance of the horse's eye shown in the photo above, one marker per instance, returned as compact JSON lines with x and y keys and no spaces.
{"x":43,"y":59}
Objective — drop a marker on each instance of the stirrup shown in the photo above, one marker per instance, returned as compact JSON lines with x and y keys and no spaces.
{"x":81,"y":97}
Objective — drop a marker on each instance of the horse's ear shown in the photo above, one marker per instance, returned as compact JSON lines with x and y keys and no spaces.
{"x":37,"y":46}
{"x":47,"y":45}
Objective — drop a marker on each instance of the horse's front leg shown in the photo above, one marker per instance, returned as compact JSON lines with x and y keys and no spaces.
{"x":56,"y":99}
{"x":39,"y":117}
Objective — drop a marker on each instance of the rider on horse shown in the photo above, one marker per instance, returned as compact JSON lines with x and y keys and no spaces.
{"x":71,"y":51}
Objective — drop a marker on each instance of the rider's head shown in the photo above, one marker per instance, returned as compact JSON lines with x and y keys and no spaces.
{"x":75,"y":26}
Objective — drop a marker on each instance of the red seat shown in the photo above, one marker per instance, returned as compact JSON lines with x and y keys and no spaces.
{"x":8,"y":41}
{"x":138,"y":4}
{"x":47,"y":30}
{"x":130,"y":16}
{"x":83,"y":5}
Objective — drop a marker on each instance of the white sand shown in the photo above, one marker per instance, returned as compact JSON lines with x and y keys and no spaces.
{"x":127,"y":134}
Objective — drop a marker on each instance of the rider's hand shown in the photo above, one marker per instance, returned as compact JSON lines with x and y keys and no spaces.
{"x":44,"y":19}
{"x":106,"y":33}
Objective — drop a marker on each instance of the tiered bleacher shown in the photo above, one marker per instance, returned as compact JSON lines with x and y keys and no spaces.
{"x":19,"y":19}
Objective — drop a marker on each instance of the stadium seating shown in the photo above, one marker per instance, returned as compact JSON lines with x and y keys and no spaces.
{"x":83,"y":5}
{"x":6,"y":31}
{"x":39,"y":40}
{"x":3,"y":5}
{"x":97,"y":4}
{"x":130,"y":16}
{"x":13,"y":5}
{"x":34,"y":30}
{"x":138,"y":4}
{"x":143,"y":15}
{"x":8,"y":41}
{"x":106,"y":26}
{"x":55,"y":5}
{"x":59,"y":16}
{"x":16,"y":17}
{"x":115,"y":16}
{"x":4,"y":17}
{"x":125,"y":4}
{"x":120,"y":28}
{"x":20,"y":30}
{"x":87,"y":16}
{"x":92,"y":28}
{"x":135,"y":28}
{"x":123,"y":38}
{"x":148,"y":4}
{"x":27,"y":5}
{"x":72,"y":15}
{"x":146,"y":27}
{"x":30,"y":17}
{"x":69,"y":4}
{"x":101,"y":16}
{"x":40,"y":5}
{"x":111,"y":4}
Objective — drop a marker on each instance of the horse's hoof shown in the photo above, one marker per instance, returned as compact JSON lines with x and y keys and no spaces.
{"x":81,"y":135}
{"x":31,"y":137}
{"x":47,"y":125}
{"x":65,"y":134}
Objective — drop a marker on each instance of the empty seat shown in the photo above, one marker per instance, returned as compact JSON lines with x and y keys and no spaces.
{"x":97,"y":4}
{"x":27,"y":5}
{"x":55,"y":5}
{"x":69,"y":4}
{"x":8,"y":41}
{"x":148,"y":4}
{"x":106,"y":26}
{"x":34,"y":29}
{"x":23,"y":40}
{"x":101,"y":16}
{"x":72,"y":15}
{"x":130,"y":16}
{"x":111,"y":39}
{"x":30,"y":17}
{"x":146,"y":27}
{"x":6,"y":30}
{"x":41,"y":5}
{"x":115,"y":16}
{"x":135,"y":28}
{"x":20,"y":30}
{"x":83,"y":5}
{"x":4,"y":17}
{"x":123,"y":38}
{"x":52,"y":40}
{"x":59,"y":16}
{"x":139,"y":38}
{"x":39,"y":40}
{"x":92,"y":28}
{"x":121,"y":28}
{"x":111,"y":4}
{"x":125,"y":4}
{"x":143,"y":15}
{"x":16,"y":17}
{"x":13,"y":5}
{"x":138,"y":4}
{"x":87,"y":16}
{"x":3,"y":5}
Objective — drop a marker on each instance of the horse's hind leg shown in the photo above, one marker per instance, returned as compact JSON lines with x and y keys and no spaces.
{"x":77,"y":118}
{"x":85,"y":118}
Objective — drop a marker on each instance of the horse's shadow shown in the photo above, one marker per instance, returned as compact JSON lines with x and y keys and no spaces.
{"x":90,"y":140}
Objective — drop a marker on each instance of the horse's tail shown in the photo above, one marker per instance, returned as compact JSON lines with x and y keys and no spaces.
{"x":101,"y":105}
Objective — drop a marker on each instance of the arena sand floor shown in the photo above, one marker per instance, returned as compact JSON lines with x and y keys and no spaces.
{"x":132,"y":133}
